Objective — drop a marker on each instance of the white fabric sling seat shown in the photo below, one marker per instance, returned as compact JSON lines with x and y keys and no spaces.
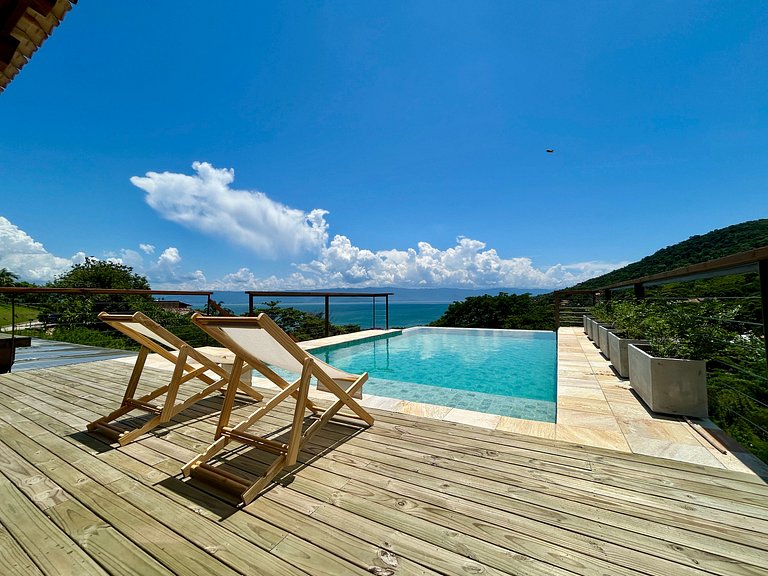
{"x":155,"y":338}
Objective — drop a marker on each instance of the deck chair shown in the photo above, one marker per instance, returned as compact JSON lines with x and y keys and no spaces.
{"x":261,"y":343}
{"x":155,"y":338}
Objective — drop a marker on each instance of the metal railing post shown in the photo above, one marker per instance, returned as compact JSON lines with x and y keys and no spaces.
{"x":13,"y":318}
{"x":373,"y":319}
{"x":386,"y":306}
{"x":762,"y":267}
{"x":327,"y":315}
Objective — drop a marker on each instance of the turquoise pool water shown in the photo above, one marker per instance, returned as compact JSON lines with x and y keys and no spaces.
{"x":507,"y":372}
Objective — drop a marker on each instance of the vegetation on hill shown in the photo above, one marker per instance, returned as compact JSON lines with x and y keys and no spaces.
{"x":715,"y":244}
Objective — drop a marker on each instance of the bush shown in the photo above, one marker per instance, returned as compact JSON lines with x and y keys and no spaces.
{"x":511,"y":311}
{"x":737,"y":379}
{"x":690,"y":330}
{"x":301,"y":325}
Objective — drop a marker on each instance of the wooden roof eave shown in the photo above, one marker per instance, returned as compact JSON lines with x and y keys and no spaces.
{"x":31,"y":23}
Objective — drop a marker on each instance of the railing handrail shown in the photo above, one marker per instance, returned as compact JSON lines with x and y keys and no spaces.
{"x":126,"y":291}
{"x":16,"y":290}
{"x":319,"y":294}
{"x":739,"y":263}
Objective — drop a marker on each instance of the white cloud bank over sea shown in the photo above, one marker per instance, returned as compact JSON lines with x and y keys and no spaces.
{"x":206,"y":203}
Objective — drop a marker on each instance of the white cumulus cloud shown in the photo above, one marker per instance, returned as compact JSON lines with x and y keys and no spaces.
{"x":28,"y":258}
{"x":468,"y":264}
{"x":207,"y":203}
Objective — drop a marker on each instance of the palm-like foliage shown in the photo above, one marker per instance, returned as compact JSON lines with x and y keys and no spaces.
{"x":7,"y":278}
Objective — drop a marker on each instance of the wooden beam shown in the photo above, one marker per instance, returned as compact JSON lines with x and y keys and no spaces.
{"x":734,"y":264}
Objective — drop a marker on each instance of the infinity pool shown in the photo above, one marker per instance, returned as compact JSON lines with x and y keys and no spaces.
{"x":506,"y":372}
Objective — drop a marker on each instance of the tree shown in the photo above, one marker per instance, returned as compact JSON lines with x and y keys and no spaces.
{"x":95,"y":273}
{"x":98,"y":274}
{"x":7,"y":278}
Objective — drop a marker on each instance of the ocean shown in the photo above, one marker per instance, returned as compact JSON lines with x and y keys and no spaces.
{"x":360,"y":311}
{"x":407,"y":307}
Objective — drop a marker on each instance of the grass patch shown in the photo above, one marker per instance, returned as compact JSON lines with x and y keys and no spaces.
{"x":23,"y":314}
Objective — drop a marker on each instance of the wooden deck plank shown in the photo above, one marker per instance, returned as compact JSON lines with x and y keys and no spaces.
{"x":685,"y":506}
{"x":487,"y":439}
{"x":297,"y":551}
{"x":229,"y":547}
{"x":393,"y":544}
{"x":696,"y":481}
{"x":53,"y":552}
{"x":16,"y":562}
{"x":432,"y":496}
{"x":422,"y":426}
{"x":549,"y":521}
{"x":165,"y":545}
{"x":726,"y":563}
{"x":100,"y":541}
{"x":449,"y":464}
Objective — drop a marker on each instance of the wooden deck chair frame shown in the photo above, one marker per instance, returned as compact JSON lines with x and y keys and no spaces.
{"x":155,"y":338}
{"x":287,"y":453}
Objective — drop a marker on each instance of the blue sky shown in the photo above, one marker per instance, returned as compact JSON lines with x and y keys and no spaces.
{"x":249,"y":145}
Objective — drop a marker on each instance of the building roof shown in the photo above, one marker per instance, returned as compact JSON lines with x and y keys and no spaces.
{"x":24,"y":26}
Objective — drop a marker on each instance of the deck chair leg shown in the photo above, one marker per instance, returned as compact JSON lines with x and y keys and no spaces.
{"x":130,"y":391}
{"x":173,"y":387}
{"x":345,"y":396}
{"x":131,"y":435}
{"x":223,"y":432}
{"x":138,"y":367}
{"x":277,"y":466}
{"x":229,"y":397}
{"x":294,"y":444}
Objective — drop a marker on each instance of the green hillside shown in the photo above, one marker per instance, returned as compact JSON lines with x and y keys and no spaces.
{"x":715,"y":244}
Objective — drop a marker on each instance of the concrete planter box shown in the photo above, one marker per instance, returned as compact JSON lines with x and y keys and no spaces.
{"x":668,"y":385}
{"x":587,"y":320}
{"x":619,"y":352}
{"x":590,"y":324}
{"x":596,"y":332}
{"x":602,"y":338}
{"x":592,"y":330}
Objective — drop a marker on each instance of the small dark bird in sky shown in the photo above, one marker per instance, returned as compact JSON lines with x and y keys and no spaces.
{"x":550,"y":150}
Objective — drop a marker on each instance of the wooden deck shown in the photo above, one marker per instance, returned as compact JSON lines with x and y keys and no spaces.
{"x":407,"y":496}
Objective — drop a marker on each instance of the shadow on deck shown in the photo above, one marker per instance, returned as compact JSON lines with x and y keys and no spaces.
{"x":409,"y":495}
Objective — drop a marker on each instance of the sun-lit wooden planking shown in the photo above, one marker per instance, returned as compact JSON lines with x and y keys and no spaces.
{"x":409,"y":495}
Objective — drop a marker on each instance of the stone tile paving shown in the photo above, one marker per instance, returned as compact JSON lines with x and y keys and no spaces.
{"x":639,"y":430}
